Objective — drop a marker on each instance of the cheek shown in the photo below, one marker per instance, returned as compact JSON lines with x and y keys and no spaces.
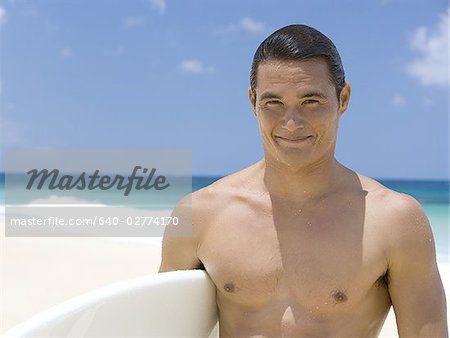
{"x":327,"y":131}
{"x":266,"y":122}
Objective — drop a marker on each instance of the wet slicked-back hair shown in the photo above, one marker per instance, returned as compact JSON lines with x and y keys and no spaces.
{"x":295,"y":43}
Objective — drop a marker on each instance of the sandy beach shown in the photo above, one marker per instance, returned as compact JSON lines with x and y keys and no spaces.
{"x":38,"y":273}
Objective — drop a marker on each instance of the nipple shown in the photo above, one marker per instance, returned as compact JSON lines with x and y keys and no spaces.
{"x":229,"y":287}
{"x":339,"y":296}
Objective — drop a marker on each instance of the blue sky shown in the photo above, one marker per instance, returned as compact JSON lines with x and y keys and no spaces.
{"x":174,"y":74}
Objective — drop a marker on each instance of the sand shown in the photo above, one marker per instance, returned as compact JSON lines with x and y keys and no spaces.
{"x":37,"y":273}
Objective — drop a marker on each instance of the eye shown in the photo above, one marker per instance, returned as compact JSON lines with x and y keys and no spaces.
{"x":310,"y":101}
{"x":274,"y":102}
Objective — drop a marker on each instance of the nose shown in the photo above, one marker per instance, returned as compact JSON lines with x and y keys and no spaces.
{"x":291,"y":125}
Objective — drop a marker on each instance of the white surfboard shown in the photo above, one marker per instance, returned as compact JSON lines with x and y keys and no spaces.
{"x":171,"y":304}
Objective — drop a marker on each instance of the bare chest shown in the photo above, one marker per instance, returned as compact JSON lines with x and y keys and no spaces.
{"x":316,"y":260}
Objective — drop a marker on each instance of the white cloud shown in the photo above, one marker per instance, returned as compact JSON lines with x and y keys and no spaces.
{"x":159,"y":5}
{"x":398,"y":100}
{"x":246,"y":24}
{"x":66,"y":52}
{"x":431,"y":44}
{"x":194,"y":66}
{"x":24,"y":7}
{"x":252,"y":26}
{"x":2,"y":16}
{"x":132,"y":22}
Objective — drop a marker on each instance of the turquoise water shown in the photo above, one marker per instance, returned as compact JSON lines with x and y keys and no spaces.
{"x":433,"y":195}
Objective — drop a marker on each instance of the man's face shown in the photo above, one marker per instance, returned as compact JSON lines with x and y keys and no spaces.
{"x":297,"y":110}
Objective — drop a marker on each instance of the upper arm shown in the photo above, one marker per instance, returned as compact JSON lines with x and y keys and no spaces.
{"x":415,"y":286}
{"x":179,"y":245}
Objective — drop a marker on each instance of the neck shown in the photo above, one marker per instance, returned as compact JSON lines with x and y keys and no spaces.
{"x":302,"y":183}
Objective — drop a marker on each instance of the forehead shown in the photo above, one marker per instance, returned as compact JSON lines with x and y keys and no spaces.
{"x":298,"y":74}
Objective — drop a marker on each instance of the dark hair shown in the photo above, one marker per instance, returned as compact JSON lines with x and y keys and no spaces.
{"x":299,"y":42}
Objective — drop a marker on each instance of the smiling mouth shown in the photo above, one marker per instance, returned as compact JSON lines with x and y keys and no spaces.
{"x":297,"y":140}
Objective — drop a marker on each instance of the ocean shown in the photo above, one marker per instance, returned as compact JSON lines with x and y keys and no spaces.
{"x":432,"y":194}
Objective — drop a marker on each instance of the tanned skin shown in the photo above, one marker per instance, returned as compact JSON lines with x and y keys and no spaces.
{"x":297,"y":244}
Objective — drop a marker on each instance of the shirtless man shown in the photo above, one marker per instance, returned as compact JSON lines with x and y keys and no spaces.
{"x":297,"y":244}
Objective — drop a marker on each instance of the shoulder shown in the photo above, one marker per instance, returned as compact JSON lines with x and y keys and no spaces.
{"x":210,"y":202}
{"x":381,"y":197}
{"x":402,"y":210}
{"x":230,"y":188}
{"x":208,"y":199}
{"x":400,"y":218}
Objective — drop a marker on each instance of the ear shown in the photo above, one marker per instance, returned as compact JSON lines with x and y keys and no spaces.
{"x":252,"y":99}
{"x":344,"y":98}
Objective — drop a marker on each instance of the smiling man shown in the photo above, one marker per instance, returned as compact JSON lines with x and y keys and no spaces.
{"x":297,"y":244}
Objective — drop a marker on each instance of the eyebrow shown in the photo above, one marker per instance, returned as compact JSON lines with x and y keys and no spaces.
{"x":310,"y":94}
{"x":269,"y":95}
{"x":314,"y":94}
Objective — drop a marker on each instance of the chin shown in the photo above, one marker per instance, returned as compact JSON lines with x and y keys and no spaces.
{"x":289,"y":156}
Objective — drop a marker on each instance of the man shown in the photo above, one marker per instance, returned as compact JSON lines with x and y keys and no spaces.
{"x":297,"y":244}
